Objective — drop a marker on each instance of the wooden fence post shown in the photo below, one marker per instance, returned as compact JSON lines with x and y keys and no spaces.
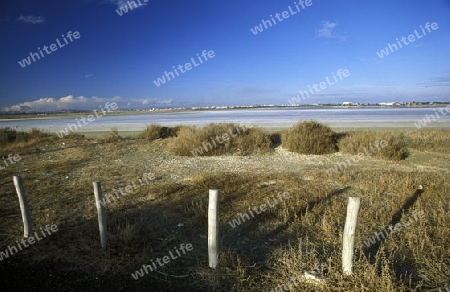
{"x":213,"y":229}
{"x":349,"y":234}
{"x":101,"y":213}
{"x":26,"y":218}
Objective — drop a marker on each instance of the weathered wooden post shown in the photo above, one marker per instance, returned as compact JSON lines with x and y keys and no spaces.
{"x":101,"y":213}
{"x":213,"y":229}
{"x":26,"y":218}
{"x":349,"y":234}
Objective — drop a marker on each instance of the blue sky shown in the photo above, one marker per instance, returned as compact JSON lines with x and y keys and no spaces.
{"x":117,"y":58}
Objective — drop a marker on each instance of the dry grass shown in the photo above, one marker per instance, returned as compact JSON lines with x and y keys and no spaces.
{"x":300,"y":233}
{"x":310,"y":137}
{"x":220,"y":139}
{"x":10,"y":136}
{"x":112,"y":137}
{"x":429,"y":140}
{"x":154,"y":131}
{"x":355,"y":142}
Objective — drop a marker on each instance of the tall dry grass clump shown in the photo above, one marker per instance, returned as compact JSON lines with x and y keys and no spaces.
{"x":358,"y":142}
{"x":154,"y":132}
{"x":436,"y":140}
{"x":254,"y":141}
{"x":112,"y":137}
{"x":10,"y":137}
{"x":310,"y":137}
{"x":219,"y":139}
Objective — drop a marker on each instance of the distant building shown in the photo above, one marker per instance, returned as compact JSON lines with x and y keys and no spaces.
{"x":347,"y":103}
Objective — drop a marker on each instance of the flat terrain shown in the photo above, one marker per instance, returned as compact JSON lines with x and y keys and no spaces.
{"x":296,"y":235}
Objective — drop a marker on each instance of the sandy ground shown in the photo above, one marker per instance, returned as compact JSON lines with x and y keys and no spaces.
{"x":60,"y":173}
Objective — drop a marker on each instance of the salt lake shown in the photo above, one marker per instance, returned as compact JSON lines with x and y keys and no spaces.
{"x":342,"y":118}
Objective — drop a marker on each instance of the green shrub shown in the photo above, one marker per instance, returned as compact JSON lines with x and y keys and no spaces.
{"x":310,"y":137}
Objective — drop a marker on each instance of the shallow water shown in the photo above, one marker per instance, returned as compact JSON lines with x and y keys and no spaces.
{"x":266,"y":118}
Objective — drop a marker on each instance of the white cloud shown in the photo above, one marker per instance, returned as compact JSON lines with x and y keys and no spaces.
{"x":326,"y":30}
{"x":31,"y":19}
{"x":153,"y":101}
{"x":71,"y":103}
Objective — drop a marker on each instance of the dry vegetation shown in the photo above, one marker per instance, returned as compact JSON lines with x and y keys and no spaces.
{"x":299,"y":234}
{"x":310,"y":137}
{"x":153,"y":132}
{"x":112,"y":136}
{"x":10,"y":138}
{"x":355,"y":142}
{"x":241,"y":140}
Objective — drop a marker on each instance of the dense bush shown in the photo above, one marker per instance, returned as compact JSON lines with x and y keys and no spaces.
{"x":8,"y":135}
{"x":394,"y":147}
{"x":310,"y":137}
{"x":219,"y":139}
{"x":154,"y":132}
{"x":437,"y":140}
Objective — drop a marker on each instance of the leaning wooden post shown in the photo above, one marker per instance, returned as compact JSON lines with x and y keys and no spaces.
{"x":213,"y":229}
{"x":26,"y":218}
{"x":101,"y":213}
{"x":349,"y":234}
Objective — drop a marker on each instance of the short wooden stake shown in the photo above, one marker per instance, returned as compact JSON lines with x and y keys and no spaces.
{"x":26,"y":218}
{"x":213,"y":229}
{"x":101,"y":213}
{"x":349,"y":234}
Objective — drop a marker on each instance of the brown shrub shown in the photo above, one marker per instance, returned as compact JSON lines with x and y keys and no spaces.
{"x":429,"y":140}
{"x":253,"y":141}
{"x":219,"y":139}
{"x":358,"y":142}
{"x":310,"y":137}
{"x":154,"y":132}
{"x":8,"y":135}
{"x":112,"y":137}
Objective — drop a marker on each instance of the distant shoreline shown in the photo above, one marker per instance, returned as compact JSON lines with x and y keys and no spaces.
{"x":23,"y":116}
{"x":269,"y":119}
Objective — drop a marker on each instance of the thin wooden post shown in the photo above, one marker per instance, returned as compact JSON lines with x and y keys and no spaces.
{"x":213,"y":229}
{"x":349,"y":234}
{"x":26,"y":218}
{"x":101,"y":213}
